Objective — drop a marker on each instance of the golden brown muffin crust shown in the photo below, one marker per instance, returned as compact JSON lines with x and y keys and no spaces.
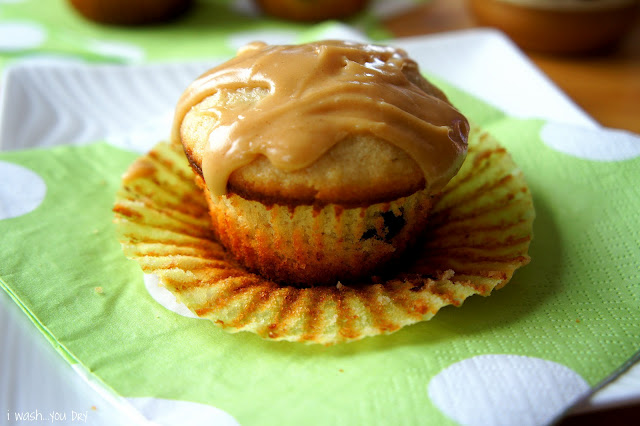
{"x":359,"y":169}
{"x":391,"y":132}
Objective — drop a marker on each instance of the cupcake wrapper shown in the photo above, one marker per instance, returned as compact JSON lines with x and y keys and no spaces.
{"x":313,"y":244}
{"x":478,"y":234}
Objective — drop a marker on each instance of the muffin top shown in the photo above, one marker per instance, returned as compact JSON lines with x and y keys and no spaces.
{"x":324,"y":122}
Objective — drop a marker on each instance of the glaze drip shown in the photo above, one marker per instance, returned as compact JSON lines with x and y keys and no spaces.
{"x":316,"y":95}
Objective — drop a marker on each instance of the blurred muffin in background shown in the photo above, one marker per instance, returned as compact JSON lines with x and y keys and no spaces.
{"x":311,"y":10}
{"x":559,"y":26}
{"x":130,"y":12}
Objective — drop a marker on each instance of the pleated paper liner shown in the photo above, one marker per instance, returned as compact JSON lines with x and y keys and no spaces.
{"x":478,"y":235}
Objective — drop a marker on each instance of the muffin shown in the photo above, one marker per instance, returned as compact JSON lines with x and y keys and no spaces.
{"x":559,"y":27}
{"x":477,"y":236}
{"x":319,"y":162}
{"x":315,"y":10}
{"x":130,"y":12}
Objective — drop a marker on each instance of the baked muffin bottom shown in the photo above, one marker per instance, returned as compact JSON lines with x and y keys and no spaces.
{"x":478,"y":235}
{"x":314,"y":245}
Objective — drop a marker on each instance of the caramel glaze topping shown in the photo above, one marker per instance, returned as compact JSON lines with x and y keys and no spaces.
{"x":318,"y":93}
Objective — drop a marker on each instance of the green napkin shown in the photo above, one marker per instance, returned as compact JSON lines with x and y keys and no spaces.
{"x":565,"y":323}
{"x":570,"y":317}
{"x":53,"y":30}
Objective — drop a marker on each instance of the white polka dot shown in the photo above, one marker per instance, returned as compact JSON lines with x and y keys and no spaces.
{"x":165,"y":297}
{"x":335,"y":31}
{"x":172,"y":412}
{"x":246,"y":7}
{"x":16,"y":36}
{"x":21,"y":190}
{"x":591,"y":144}
{"x":157,"y":411}
{"x":384,"y":8}
{"x":50,"y":59}
{"x":125,"y":51}
{"x":240,"y":39}
{"x":505,"y":390}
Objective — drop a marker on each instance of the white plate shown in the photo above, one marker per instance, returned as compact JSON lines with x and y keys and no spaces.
{"x":46,"y":105}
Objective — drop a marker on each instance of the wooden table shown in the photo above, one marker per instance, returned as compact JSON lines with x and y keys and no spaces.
{"x":606,"y":85}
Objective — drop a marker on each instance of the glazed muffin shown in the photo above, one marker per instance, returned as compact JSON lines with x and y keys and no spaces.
{"x":319,"y":162}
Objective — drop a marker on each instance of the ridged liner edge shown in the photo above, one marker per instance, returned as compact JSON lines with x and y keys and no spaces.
{"x":478,"y":234}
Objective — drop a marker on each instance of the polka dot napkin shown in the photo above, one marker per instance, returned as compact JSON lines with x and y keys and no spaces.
{"x":51,"y":31}
{"x":523,"y":355}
